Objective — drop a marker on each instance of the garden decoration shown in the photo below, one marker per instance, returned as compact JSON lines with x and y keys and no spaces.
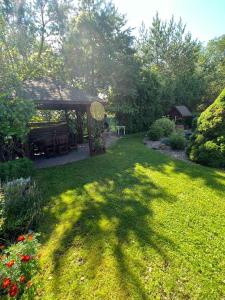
{"x":97,"y":113}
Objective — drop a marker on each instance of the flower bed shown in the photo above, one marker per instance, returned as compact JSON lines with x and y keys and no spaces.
{"x":18,"y":265}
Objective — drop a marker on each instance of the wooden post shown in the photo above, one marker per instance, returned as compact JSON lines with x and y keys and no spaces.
{"x":27,"y":150}
{"x":67,"y":117}
{"x":89,"y":128}
{"x":80,"y":133}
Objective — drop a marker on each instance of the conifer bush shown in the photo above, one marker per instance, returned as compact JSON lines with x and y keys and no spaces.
{"x":207,"y":145}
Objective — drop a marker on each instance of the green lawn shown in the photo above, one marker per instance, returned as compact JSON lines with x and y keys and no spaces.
{"x":133,"y":224}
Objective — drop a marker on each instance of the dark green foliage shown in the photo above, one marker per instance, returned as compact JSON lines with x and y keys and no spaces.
{"x":13,"y":169}
{"x":207,"y":145}
{"x":155,"y":132}
{"x":15,"y":114}
{"x":20,"y":205}
{"x":148,"y":100}
{"x":212,"y":64}
{"x":177,"y":141}
{"x":167,"y":126}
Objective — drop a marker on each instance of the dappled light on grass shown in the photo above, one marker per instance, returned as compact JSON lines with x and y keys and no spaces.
{"x":130,"y":228}
{"x":111,"y":219}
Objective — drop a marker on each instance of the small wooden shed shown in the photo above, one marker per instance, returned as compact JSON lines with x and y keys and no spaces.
{"x":181,"y":114}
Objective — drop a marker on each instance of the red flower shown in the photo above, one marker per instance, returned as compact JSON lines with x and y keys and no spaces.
{"x":22,"y":279}
{"x":10,"y":263}
{"x":25,"y":258}
{"x":21,"y":238}
{"x":2,"y":246}
{"x":6,"y":283}
{"x":13,"y":291}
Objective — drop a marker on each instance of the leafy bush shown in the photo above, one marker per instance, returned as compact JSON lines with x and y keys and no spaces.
{"x":207,"y":145}
{"x":177,"y":141}
{"x":161,"y":128}
{"x":155,"y":132}
{"x":18,"y":264}
{"x":22,"y":167}
{"x":14,"y":115}
{"x":20,"y":205}
{"x":167,"y":126}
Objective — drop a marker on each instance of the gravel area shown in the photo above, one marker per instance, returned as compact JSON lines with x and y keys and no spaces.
{"x":157,"y":145}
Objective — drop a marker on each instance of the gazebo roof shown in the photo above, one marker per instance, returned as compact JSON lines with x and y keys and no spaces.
{"x":50,"y":94}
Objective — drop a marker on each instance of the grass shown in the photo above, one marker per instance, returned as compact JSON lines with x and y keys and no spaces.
{"x":133,"y":224}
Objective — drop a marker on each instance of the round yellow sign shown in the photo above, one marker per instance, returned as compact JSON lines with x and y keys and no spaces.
{"x":97,"y":111}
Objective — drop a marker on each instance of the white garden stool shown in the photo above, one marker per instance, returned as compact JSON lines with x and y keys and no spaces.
{"x":121,"y":127}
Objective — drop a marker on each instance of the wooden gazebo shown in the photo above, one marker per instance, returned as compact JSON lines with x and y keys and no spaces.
{"x":48,"y":94}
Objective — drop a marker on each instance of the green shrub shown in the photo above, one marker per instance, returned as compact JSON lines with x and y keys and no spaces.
{"x":155,"y":132}
{"x":22,"y":167}
{"x":167,"y":126}
{"x":18,"y":265}
{"x":20,"y":205}
{"x":15,"y":114}
{"x":208,"y":154}
{"x":177,"y":141}
{"x":207,"y":145}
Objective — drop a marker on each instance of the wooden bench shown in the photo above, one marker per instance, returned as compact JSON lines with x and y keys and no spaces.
{"x":50,"y":140}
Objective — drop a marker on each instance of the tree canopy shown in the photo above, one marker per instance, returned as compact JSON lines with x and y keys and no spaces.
{"x":88,"y":44}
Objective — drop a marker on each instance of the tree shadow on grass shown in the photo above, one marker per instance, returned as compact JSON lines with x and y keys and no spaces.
{"x":104,"y":207}
{"x":152,"y":159}
{"x":212,"y":178}
{"x":115,"y":212}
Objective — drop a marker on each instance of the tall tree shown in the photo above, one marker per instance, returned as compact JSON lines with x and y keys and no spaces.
{"x":212,"y":64}
{"x":167,"y":49}
{"x":17,"y":40}
{"x":31,"y":38}
{"x":96,"y":44}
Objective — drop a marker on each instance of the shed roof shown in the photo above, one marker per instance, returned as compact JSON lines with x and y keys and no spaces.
{"x":183,"y":110}
{"x":48,"y":93}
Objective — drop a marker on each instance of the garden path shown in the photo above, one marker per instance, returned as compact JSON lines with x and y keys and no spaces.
{"x":81,"y":153}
